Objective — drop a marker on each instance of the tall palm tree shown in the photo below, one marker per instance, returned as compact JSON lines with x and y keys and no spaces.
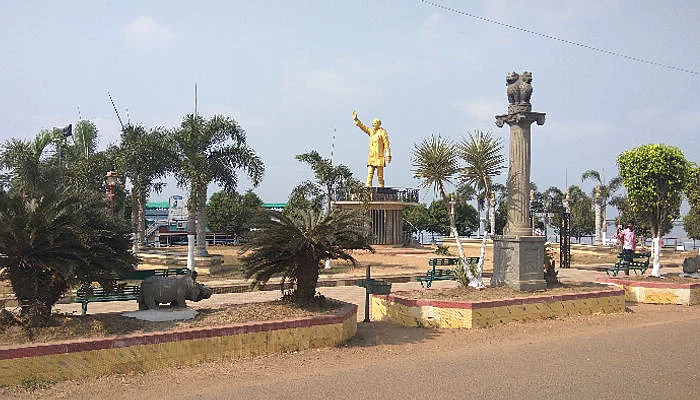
{"x":211,"y":151}
{"x":294,"y":244}
{"x":484,"y":159}
{"x":144,"y":156}
{"x":436,"y":164}
{"x":54,"y":240}
{"x":602,"y":194}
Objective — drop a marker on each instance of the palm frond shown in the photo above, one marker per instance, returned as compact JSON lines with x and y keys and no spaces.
{"x":434,"y":162}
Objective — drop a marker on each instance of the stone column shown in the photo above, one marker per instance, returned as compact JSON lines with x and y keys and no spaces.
{"x":518,"y":259}
{"x":519,"y":223}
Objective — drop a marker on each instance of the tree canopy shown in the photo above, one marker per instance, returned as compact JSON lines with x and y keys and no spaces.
{"x":233,"y":213}
{"x":654,"y":176}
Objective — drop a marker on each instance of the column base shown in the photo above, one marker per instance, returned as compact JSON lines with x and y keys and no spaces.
{"x":518,"y":261}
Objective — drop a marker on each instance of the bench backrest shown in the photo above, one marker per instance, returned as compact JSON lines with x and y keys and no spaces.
{"x":632,"y":256}
{"x":450,"y":261}
{"x":141,"y":274}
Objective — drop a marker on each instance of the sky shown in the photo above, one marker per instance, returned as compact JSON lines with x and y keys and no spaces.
{"x":292,"y":72}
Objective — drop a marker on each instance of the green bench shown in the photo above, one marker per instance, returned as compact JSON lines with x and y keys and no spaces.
{"x":626,"y":262}
{"x":441,"y":274}
{"x":126,"y":287}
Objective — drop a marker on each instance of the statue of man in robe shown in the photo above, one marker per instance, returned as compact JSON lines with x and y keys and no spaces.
{"x":378,"y":146}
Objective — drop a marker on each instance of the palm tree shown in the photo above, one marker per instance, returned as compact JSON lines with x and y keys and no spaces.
{"x":82,"y":165}
{"x":143,"y":158}
{"x":483,"y":156}
{"x":211,"y":151}
{"x":330,"y":179}
{"x":54,"y":240}
{"x":294,"y":244}
{"x":29,"y":163}
{"x":601,"y":195}
{"x":436,"y":164}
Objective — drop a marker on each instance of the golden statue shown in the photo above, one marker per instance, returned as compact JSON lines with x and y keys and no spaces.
{"x":378,"y":143}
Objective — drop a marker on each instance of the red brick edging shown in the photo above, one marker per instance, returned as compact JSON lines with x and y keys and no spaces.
{"x":44,"y":349}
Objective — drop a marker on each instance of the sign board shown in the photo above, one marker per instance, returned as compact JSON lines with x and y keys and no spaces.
{"x":177,"y":209}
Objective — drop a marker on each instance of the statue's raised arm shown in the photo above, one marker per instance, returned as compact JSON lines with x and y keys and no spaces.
{"x":359,"y":123}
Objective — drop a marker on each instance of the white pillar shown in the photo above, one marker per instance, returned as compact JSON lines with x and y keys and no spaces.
{"x":190,"y":252}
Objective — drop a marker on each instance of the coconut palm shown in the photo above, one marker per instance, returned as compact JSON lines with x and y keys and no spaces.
{"x":483,"y":156}
{"x":294,"y":244}
{"x":211,"y":151}
{"x":436,"y":164}
{"x":54,"y":240}
{"x":144,"y":156}
{"x":602,"y":194}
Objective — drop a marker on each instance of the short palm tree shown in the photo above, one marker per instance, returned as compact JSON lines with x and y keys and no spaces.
{"x":52,"y":241}
{"x":294,"y":244}
{"x":211,"y":150}
{"x":436,"y":164}
{"x":483,"y":156}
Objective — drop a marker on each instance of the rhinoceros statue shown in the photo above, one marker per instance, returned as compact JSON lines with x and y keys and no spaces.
{"x":170,"y":289}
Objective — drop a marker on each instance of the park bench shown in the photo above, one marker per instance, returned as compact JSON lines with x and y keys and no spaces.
{"x":126,"y":287}
{"x":441,"y":274}
{"x":626,"y":262}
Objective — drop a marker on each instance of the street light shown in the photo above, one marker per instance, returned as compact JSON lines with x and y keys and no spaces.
{"x":111,"y":181}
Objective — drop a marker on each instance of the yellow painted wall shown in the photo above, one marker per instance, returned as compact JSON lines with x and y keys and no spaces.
{"x":436,"y":317}
{"x":141,"y":358}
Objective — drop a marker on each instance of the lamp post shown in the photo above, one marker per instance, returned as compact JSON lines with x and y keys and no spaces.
{"x":111,"y":181}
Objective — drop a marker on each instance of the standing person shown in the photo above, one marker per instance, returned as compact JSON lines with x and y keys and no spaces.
{"x":378,"y":144}
{"x":629,"y":241}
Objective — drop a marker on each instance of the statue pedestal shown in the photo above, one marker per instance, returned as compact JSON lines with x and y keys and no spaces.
{"x":518,"y":261}
{"x":384,"y":210}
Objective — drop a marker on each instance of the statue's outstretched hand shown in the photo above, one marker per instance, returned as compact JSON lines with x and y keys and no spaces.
{"x":354,"y":115}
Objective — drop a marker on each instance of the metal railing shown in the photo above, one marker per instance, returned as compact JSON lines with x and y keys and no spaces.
{"x":404,"y":195}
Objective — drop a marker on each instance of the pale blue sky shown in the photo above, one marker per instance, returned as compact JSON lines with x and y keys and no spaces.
{"x":292,"y":71}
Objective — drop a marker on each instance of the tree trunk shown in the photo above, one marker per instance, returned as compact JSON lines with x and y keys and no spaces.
{"x":134,"y":221}
{"x":306,"y":281}
{"x":597,"y":240}
{"x":36,"y":293}
{"x":604,"y":223}
{"x":478,"y":210}
{"x":493,"y":218}
{"x":202,"y":222}
{"x":474,"y":281}
{"x":655,"y":250}
{"x":142,"y":219}
{"x":191,"y":222}
{"x":482,"y":251}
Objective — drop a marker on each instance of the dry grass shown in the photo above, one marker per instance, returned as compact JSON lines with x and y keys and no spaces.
{"x":468,"y":294}
{"x":68,"y":326}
